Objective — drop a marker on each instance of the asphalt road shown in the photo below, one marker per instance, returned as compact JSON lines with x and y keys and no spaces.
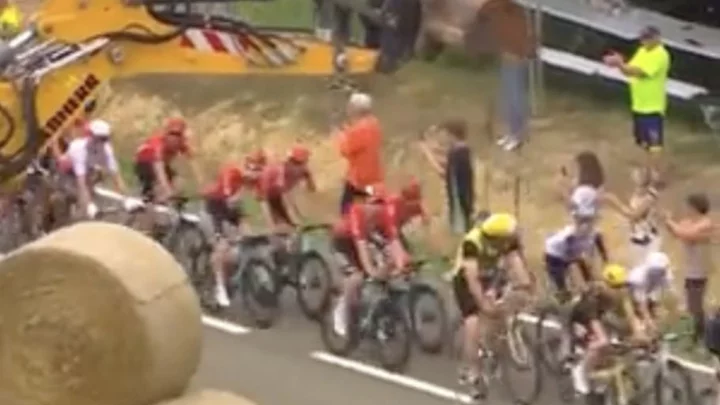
{"x":288,"y":364}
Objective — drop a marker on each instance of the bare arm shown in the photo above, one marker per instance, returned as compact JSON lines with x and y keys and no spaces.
{"x":161,"y":175}
{"x":632,"y":214}
{"x":699,"y":231}
{"x":435,"y":163}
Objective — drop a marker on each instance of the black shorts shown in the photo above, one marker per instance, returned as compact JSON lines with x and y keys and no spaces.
{"x":278,"y":210}
{"x":346,"y":246}
{"x":145,"y":173}
{"x":648,"y":130}
{"x":464,"y":298}
{"x":220,"y":213}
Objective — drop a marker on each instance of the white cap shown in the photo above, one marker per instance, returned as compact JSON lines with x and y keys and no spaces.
{"x":657,"y":261}
{"x":361,"y":101}
{"x":99,"y":128}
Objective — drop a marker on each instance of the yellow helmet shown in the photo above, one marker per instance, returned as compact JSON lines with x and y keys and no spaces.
{"x":614,"y":275}
{"x":500,"y":225}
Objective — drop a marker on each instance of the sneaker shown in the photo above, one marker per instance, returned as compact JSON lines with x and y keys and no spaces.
{"x":340,"y":320}
{"x":221,"y":296}
{"x":502,"y":141}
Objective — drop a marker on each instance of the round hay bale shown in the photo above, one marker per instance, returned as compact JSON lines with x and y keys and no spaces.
{"x":95,"y":314}
{"x":210,"y":397}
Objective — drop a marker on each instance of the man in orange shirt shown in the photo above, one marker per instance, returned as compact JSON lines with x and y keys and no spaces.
{"x":360,"y":143}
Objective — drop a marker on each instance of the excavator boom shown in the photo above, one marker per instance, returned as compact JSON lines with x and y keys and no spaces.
{"x":72,"y":47}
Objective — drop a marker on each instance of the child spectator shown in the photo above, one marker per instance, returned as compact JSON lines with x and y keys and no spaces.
{"x":452,"y":161}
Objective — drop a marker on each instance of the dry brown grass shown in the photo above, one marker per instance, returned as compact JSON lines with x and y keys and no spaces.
{"x":231,"y":116}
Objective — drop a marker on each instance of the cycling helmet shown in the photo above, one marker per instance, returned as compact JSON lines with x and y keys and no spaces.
{"x":657,"y":261}
{"x":256,"y":159}
{"x":614,"y":275}
{"x":175,"y":126}
{"x":412,"y":191}
{"x":500,"y":225}
{"x":377,"y":192}
{"x":299,"y":154}
{"x":99,"y":128}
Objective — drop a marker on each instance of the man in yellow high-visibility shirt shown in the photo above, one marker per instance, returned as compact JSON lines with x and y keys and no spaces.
{"x":10,"y":19}
{"x":647,"y":72}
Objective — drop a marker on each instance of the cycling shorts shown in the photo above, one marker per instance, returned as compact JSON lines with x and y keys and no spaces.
{"x":145,"y":173}
{"x":346,"y":246}
{"x":464,"y":298}
{"x":221,"y":215}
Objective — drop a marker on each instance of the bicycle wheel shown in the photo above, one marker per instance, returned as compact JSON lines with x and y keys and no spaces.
{"x":427,"y":317}
{"x":522,"y":380}
{"x":518,"y":342}
{"x":335,"y":343}
{"x":392,"y":335}
{"x":314,"y":284}
{"x":675,"y":387}
{"x":186,"y":243}
{"x":202,"y":279}
{"x":259,"y":292}
{"x":551,"y":336}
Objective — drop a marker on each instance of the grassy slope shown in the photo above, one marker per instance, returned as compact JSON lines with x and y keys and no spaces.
{"x":232,"y":115}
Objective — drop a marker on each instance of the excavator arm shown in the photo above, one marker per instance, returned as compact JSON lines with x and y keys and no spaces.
{"x":72,"y":47}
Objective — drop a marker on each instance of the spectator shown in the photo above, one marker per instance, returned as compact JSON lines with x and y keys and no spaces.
{"x":648,"y":73}
{"x":695,"y":232}
{"x":360,"y":143}
{"x":579,"y":185}
{"x":455,"y":165}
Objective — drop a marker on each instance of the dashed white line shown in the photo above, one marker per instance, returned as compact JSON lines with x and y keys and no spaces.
{"x":225,"y":326}
{"x":398,"y":379}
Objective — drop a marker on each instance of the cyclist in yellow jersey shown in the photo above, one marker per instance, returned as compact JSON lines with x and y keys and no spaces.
{"x":606,"y":302}
{"x":489,"y":260}
{"x":647,"y":72}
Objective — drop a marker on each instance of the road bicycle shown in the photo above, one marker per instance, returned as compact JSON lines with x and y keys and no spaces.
{"x":507,"y":357}
{"x":633,"y":375}
{"x":379,"y":318}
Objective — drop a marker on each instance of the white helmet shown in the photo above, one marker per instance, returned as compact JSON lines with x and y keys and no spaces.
{"x":657,"y":261}
{"x":99,"y":128}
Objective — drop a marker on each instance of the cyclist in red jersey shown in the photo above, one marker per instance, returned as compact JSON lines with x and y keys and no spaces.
{"x":409,"y":206}
{"x":223,"y":215}
{"x":277,"y":182}
{"x":154,"y":158}
{"x":351,"y":239}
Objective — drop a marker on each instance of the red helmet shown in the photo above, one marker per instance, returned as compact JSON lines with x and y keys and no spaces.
{"x":175,"y":126}
{"x":377,"y":192}
{"x":412,"y":191}
{"x":256,"y":159}
{"x":299,"y":154}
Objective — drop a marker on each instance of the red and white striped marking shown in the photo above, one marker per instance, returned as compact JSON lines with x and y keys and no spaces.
{"x":207,"y":40}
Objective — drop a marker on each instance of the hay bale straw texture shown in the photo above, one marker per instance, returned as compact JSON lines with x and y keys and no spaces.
{"x":95,"y":314}
{"x":210,"y":397}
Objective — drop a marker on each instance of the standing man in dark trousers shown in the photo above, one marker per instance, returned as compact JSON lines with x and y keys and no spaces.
{"x":695,"y":230}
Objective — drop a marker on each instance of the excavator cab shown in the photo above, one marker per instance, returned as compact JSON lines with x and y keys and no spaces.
{"x":71,"y":47}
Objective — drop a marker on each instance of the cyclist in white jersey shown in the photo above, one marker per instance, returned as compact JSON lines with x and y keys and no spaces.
{"x":640,"y":213}
{"x":574,"y":245}
{"x":87,"y":160}
{"x":649,"y":283}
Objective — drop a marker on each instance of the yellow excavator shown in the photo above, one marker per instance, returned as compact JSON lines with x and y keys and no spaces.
{"x":72,"y":47}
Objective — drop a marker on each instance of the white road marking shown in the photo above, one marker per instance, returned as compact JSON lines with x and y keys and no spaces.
{"x":225,"y":326}
{"x":399,"y":379}
{"x":701,"y":368}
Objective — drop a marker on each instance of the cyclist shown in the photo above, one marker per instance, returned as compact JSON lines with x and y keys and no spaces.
{"x":58,"y":146}
{"x":650,"y":282}
{"x":89,"y":159}
{"x":154,"y":158}
{"x":224,"y":217}
{"x":572,"y":245}
{"x":275,"y":186}
{"x":351,"y":239}
{"x":608,"y":302}
{"x":488,"y":259}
